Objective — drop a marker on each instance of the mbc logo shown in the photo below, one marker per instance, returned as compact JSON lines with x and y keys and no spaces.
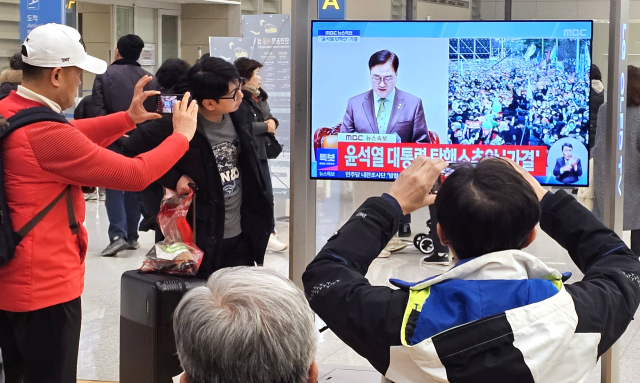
{"x":575,"y":33}
{"x":354,"y":137}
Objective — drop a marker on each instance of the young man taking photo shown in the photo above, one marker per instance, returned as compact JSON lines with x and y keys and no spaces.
{"x":499,"y":315}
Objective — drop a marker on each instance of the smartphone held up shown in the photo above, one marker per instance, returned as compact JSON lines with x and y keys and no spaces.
{"x":164,"y":102}
{"x":444,"y":175}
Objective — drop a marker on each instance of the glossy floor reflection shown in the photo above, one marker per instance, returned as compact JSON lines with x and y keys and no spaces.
{"x":336,"y":201}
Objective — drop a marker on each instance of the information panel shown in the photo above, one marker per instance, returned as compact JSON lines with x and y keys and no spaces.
{"x":266,"y":39}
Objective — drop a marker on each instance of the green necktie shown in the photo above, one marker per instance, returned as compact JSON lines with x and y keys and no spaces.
{"x":382,"y":126}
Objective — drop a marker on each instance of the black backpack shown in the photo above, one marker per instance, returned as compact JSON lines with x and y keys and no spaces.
{"x":9,"y":239}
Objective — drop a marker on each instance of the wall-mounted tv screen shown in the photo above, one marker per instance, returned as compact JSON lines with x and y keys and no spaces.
{"x":383,"y":93}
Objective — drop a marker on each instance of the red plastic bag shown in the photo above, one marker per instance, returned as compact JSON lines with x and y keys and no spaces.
{"x":177,"y":254}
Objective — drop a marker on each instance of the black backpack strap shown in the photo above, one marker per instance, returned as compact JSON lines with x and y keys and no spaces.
{"x":73,"y":224}
{"x":31,"y":116}
{"x":27,"y":117}
{"x":71,"y":214}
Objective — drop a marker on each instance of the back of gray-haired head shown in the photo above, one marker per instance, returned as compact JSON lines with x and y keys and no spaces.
{"x":246,"y":325}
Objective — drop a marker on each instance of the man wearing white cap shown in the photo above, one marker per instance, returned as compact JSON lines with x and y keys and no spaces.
{"x":40,"y":287}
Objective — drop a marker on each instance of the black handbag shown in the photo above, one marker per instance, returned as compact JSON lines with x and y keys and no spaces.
{"x":273,"y":147}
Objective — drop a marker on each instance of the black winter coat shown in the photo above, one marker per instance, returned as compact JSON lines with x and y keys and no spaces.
{"x":199,"y":163}
{"x":261,"y":113}
{"x":85,"y":108}
{"x":113,"y":90}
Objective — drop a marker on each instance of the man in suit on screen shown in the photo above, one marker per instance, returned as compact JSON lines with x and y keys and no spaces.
{"x":568,"y":169}
{"x":386,"y":109}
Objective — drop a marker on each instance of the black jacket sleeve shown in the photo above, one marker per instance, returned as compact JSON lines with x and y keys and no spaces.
{"x":608,"y":296}
{"x":367,"y":318}
{"x":97,"y":94}
{"x":266,"y":111}
{"x":170,"y":179}
{"x":147,"y":136}
{"x":260,"y":127}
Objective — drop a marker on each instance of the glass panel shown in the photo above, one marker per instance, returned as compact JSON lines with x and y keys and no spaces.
{"x":169,"y":37}
{"x":124,"y":21}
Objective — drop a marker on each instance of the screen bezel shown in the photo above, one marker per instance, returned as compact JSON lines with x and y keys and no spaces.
{"x":310,"y":128}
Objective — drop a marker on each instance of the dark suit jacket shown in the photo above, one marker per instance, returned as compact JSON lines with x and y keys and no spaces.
{"x":407,"y":117}
{"x":569,"y":177}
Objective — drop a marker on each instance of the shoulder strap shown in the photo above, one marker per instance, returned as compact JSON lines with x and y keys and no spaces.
{"x":73,"y":225}
{"x":30,"y":116}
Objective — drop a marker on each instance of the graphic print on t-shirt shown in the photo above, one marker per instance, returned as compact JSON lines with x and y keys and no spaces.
{"x":227,"y":158}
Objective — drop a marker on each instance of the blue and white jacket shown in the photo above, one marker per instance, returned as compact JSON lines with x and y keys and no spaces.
{"x":501,"y":317}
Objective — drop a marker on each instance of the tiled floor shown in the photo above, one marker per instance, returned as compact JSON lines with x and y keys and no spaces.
{"x":99,"y":355}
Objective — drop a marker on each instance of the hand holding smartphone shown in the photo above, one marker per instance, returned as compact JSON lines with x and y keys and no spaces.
{"x":185,"y":115}
{"x":412,"y":188}
{"x":443,"y":176}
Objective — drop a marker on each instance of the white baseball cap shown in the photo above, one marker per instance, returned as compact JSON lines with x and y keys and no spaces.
{"x":57,"y":45}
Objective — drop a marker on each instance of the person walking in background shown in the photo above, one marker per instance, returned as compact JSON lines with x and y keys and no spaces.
{"x":264,"y":124}
{"x":112,"y":92}
{"x":12,"y":77}
{"x":632,"y":160}
{"x":596,"y":99}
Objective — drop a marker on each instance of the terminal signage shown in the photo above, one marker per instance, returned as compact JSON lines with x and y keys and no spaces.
{"x":621,"y":106}
{"x":34,"y":13}
{"x":332,"y":9}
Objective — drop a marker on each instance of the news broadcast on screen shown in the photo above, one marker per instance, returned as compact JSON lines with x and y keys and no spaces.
{"x":384,"y":93}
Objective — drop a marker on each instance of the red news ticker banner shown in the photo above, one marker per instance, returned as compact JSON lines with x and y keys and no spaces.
{"x":384,"y":157}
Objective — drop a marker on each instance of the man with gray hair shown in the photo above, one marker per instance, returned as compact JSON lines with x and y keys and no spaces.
{"x":246,"y":325}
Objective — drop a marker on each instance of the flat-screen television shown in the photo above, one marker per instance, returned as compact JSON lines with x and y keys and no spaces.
{"x":385,"y":92}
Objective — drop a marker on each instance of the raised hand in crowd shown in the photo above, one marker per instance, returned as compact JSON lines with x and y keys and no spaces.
{"x":136,"y":111}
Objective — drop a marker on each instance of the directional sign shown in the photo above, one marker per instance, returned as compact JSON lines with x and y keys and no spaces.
{"x":332,"y":9}
{"x":34,"y":13}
